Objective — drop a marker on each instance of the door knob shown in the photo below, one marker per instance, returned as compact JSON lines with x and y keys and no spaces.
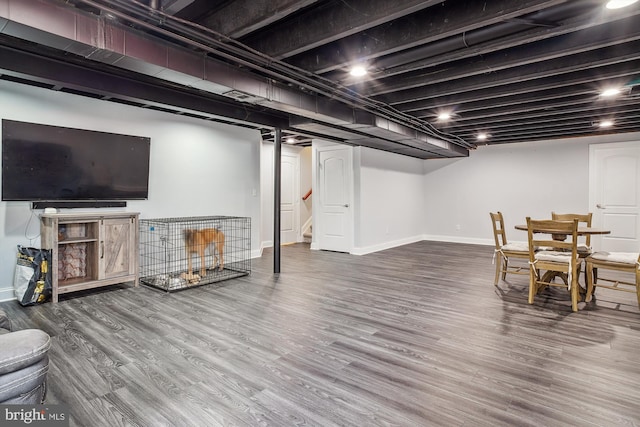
{"x":599,"y":206}
{"x":346,"y":205}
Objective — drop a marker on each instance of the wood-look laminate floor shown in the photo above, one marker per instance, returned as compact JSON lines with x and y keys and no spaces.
{"x":411,"y":336}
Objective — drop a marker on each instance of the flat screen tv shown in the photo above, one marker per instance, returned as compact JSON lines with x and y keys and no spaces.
{"x":52,"y":163}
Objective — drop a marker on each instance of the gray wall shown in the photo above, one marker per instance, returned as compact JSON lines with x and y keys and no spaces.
{"x":197,"y":168}
{"x":201,"y":168}
{"x":522,"y":179}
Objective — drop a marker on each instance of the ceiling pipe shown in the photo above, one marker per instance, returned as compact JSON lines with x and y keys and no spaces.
{"x":154,"y":4}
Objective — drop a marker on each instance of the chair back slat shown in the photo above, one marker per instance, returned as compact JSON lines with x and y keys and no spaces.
{"x":539,"y":239}
{"x":499,"y":234}
{"x":583,"y":219}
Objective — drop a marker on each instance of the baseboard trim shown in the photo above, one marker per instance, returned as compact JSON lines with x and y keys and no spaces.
{"x":363,"y":250}
{"x":256,"y":253}
{"x":458,"y":239}
{"x":7,"y":294}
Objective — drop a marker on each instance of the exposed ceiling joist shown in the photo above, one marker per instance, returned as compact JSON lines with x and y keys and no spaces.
{"x":330,"y":22}
{"x":545,"y":51}
{"x":519,"y":70}
{"x":439,"y":22}
{"x":239,"y":18}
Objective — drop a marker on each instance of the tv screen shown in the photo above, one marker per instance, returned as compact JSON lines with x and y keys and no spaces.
{"x":42,"y":162}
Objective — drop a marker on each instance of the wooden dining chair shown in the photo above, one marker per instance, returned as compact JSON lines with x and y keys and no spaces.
{"x":560,"y":257}
{"x":584,"y":242}
{"x":622,"y":262}
{"x":504,"y":250}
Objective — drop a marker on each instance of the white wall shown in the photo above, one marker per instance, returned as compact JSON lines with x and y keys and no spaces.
{"x":520,"y":180}
{"x":197,"y":168}
{"x":388,"y":200}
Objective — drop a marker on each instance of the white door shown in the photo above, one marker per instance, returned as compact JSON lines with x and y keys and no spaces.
{"x":614,"y":195}
{"x":334,"y":226}
{"x":289,"y":203}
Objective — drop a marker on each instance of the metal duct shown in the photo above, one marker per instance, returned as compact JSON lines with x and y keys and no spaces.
{"x":104,"y":40}
{"x":401,"y":140}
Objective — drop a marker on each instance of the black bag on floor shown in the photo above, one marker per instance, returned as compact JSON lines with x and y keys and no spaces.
{"x":32,"y":279}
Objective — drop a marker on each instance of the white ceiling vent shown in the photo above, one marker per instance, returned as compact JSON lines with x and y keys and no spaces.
{"x":244,"y":97}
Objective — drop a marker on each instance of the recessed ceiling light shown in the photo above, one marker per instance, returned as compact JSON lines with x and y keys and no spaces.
{"x":606,"y":123}
{"x":482,"y":136}
{"x":108,"y":15}
{"x":610,"y":92}
{"x":444,"y":116}
{"x":358,"y":71}
{"x":291,"y":140}
{"x":617,"y":4}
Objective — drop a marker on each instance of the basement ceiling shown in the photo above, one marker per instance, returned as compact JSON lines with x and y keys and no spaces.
{"x":513,"y":70}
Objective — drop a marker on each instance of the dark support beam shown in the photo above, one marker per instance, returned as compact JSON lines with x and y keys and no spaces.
{"x":137,"y":88}
{"x":277,"y":190}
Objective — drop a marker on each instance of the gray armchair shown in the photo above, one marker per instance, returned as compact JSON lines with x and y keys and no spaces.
{"x":23,"y":364}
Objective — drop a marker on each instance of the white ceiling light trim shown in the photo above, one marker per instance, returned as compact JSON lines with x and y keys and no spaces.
{"x":358,"y":71}
{"x":607,"y":93}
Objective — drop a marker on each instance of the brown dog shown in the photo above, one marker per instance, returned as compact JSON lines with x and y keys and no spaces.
{"x":197,"y":241}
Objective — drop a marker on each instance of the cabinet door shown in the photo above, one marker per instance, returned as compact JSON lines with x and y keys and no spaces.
{"x":117,"y":248}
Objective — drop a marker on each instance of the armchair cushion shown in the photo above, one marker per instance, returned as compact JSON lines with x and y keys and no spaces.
{"x":22,"y":348}
{"x":24,"y":364}
{"x":25,"y":386}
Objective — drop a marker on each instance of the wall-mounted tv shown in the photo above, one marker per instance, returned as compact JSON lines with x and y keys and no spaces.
{"x":53,"y":163}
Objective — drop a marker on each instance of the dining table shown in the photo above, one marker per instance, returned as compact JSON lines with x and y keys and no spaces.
{"x":561,"y":235}
{"x":582,"y":230}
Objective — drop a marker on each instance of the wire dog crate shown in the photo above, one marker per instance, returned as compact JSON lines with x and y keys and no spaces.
{"x":179,"y":253}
